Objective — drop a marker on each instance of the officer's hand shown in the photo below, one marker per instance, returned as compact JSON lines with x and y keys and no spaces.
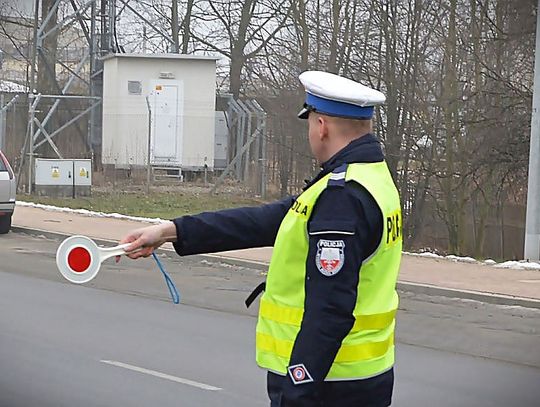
{"x":145,"y":240}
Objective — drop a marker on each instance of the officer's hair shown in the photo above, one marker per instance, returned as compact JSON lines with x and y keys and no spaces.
{"x":351,"y":127}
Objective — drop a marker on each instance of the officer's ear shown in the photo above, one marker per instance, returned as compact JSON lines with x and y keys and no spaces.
{"x":323,"y":122}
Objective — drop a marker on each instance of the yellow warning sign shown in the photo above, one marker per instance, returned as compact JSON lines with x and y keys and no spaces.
{"x":83,"y":172}
{"x":55,"y":172}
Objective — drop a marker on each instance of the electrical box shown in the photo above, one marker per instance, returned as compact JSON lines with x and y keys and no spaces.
{"x":83,"y":173}
{"x":63,"y":177}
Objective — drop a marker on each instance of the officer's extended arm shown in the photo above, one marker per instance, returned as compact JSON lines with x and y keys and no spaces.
{"x":230,"y":229}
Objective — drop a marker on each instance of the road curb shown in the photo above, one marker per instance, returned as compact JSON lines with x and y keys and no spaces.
{"x":49,"y":234}
{"x":405,"y":286}
{"x":213,"y":258}
{"x":490,"y":298}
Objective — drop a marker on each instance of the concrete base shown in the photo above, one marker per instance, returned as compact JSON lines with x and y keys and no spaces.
{"x":62,"y":191}
{"x":532,"y":247}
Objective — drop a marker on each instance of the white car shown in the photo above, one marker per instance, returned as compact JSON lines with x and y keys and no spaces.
{"x":8,"y":187}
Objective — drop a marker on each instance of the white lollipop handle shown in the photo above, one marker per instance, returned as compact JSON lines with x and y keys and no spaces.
{"x":107,"y":253}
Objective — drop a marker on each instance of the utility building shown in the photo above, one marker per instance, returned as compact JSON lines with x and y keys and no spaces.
{"x":163,"y":101}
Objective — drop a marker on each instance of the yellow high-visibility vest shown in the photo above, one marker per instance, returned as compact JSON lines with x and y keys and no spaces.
{"x":368,"y":349}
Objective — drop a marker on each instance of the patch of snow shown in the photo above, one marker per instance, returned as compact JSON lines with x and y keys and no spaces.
{"x":514,"y":265}
{"x":425,"y":254}
{"x":518,"y":265}
{"x":12,"y":87}
{"x":86,"y":212}
{"x":461,"y":259}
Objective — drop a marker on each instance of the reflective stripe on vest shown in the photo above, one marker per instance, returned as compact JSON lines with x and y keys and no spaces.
{"x":368,"y":349}
{"x":293,"y":316}
{"x":347,"y":353}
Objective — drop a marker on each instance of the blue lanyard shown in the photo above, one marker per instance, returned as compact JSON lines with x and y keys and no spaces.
{"x":172,"y":288}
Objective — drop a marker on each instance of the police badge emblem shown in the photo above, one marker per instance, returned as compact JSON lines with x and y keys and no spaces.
{"x":330,"y":256}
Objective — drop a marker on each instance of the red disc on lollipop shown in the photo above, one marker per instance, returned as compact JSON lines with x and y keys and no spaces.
{"x":79,"y":259}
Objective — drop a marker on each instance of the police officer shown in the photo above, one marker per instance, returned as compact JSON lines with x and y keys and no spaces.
{"x":325,"y":332}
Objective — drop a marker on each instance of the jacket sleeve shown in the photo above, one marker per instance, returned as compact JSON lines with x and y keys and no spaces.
{"x":230,"y":229}
{"x":339,"y":220}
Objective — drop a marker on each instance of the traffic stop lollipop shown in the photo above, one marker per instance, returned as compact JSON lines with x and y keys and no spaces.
{"x":79,"y":259}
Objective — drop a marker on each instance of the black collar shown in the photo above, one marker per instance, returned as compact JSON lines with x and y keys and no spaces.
{"x":365,"y":149}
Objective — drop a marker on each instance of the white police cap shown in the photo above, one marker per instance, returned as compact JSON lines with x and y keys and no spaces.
{"x":335,"y":95}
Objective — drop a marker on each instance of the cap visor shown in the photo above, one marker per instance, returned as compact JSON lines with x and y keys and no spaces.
{"x":303,"y":114}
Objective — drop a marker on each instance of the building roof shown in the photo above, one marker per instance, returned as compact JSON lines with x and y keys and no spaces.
{"x":164,"y":56}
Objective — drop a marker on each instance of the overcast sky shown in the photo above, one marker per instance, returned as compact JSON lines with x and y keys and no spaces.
{"x":17,"y":8}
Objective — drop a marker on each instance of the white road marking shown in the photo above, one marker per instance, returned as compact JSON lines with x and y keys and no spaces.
{"x":161,"y":375}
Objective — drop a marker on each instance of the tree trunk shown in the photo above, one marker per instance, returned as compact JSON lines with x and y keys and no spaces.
{"x":238,"y":58}
{"x":332,"y":60}
{"x":393,"y":138}
{"x":174,"y":26}
{"x":300,"y":14}
{"x":186,"y":26}
{"x":46,"y":78}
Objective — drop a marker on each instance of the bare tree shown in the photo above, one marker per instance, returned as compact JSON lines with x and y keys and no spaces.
{"x":240,"y":30}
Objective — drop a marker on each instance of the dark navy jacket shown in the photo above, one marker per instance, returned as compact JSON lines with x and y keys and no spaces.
{"x":330,"y":301}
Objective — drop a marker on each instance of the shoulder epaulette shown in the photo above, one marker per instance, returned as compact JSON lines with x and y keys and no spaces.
{"x":337,"y":177}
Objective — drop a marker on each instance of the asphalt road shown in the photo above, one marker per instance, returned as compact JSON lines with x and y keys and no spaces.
{"x":119,"y":341}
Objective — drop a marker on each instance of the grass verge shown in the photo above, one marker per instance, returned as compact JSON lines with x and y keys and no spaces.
{"x":165,"y":205}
